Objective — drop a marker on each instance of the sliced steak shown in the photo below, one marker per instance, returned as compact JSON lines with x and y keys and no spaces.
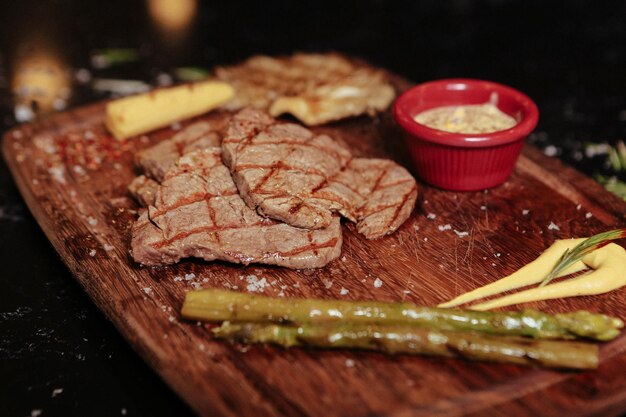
{"x":155,"y":161}
{"x":144,"y":190}
{"x":198,"y":212}
{"x":315,"y":88}
{"x":277,"y":165}
{"x":288,"y":173}
{"x":377,"y":194}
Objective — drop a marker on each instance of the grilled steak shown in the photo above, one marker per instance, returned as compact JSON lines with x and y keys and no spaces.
{"x":315,"y":88}
{"x":144,"y":190}
{"x":276,"y":165}
{"x":198,"y":212}
{"x":377,"y":194}
{"x":288,"y":173}
{"x":156,"y":160}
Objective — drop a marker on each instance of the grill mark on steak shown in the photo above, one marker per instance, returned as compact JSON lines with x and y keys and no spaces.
{"x":330,"y":152}
{"x":190,"y":200}
{"x":280,"y":165}
{"x":158,"y":159}
{"x":283,"y":174}
{"x":198,"y":212}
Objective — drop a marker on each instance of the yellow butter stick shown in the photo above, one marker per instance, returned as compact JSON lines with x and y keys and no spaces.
{"x":142,"y":113}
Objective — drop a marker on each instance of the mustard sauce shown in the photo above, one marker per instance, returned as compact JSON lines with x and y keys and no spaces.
{"x":608,"y":272}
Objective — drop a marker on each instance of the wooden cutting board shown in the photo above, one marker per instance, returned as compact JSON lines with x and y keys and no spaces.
{"x":73,"y":177}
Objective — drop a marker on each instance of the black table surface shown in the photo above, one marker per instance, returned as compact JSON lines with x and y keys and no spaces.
{"x":59,"y":356}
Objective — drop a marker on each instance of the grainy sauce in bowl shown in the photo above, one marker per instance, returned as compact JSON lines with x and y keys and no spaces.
{"x":471,"y":118}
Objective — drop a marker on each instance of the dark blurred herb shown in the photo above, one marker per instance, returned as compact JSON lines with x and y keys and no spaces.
{"x":192,"y":73}
{"x":106,"y":58}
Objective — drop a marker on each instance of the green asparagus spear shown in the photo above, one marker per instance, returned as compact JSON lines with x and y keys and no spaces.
{"x":416,"y":340}
{"x":219,"y":305}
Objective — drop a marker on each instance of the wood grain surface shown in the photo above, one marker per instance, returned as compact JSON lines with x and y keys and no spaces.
{"x":73,"y":177}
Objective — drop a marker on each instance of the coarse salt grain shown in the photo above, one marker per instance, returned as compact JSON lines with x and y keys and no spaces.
{"x":431,"y":216}
{"x":147,"y":290}
{"x":92,"y":221}
{"x":108,"y":248}
{"x":553,"y":226}
{"x":444,"y":227}
{"x":189,"y":277}
{"x":36,"y":412}
{"x":92,"y":252}
{"x":343,"y":291}
{"x":461,"y":234}
{"x":255,"y":284}
{"x":57,"y":391}
{"x":328,"y":283}
{"x":195,"y":285}
{"x":378,"y":283}
{"x":343,"y":258}
{"x":588,"y":216}
{"x":525,"y":212}
{"x":178,"y":279}
{"x":57,"y":173}
{"x":79,"y":170}
{"x":578,"y":207}
{"x":350,"y":363}
{"x":483,"y":207}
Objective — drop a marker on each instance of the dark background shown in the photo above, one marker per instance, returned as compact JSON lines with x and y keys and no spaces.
{"x":569,"y":56}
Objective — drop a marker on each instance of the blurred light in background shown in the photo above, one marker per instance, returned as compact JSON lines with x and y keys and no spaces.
{"x":40,"y":82}
{"x":173,"y":18}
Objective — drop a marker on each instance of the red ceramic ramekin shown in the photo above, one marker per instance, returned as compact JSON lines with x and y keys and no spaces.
{"x":464,"y":161}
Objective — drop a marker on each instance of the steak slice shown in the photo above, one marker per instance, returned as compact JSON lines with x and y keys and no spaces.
{"x":315,"y":88}
{"x":377,"y":194}
{"x":198,"y":212}
{"x":277,"y":165}
{"x":144,"y":190}
{"x":288,"y":173}
{"x":157,"y":160}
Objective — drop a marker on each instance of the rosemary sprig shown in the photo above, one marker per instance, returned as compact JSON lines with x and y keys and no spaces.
{"x":585,"y":247}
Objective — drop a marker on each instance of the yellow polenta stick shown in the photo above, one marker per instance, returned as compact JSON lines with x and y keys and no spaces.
{"x":142,"y":113}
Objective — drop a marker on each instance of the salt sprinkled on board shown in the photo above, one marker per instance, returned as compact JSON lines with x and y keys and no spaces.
{"x":431,"y":216}
{"x":196,"y":285}
{"x":343,"y":291}
{"x":178,"y":279}
{"x":578,"y":207}
{"x":553,"y":226}
{"x":108,"y":248}
{"x":255,"y":284}
{"x":588,"y":215}
{"x":147,"y":290}
{"x":92,"y":221}
{"x":350,"y":363}
{"x":525,"y":212}
{"x":57,"y":391}
{"x":328,"y":283}
{"x":461,"y":234}
{"x":57,"y":173}
{"x":378,"y":283}
{"x":483,"y":207}
{"x":343,"y":258}
{"x":79,"y":170}
{"x":189,"y":277}
{"x":92,"y":252}
{"x":444,"y":227}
